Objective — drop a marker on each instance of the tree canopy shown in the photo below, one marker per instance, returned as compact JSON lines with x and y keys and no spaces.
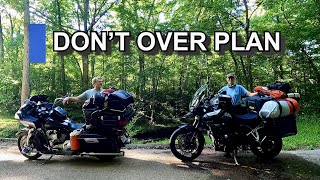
{"x":162,"y":84}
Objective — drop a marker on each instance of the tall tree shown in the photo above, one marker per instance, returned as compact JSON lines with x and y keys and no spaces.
{"x":62,"y":64}
{"x":25,"y":92}
{"x":1,"y":41}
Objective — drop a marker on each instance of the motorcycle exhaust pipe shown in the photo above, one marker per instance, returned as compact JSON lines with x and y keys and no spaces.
{"x":121,"y":153}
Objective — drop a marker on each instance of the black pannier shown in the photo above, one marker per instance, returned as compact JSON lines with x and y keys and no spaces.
{"x":107,"y":107}
{"x":119,"y":100}
{"x":282,"y":86}
{"x":284,"y":126}
{"x":255,"y":102}
{"x":88,"y":108}
{"x":91,"y":142}
{"x":107,"y":119}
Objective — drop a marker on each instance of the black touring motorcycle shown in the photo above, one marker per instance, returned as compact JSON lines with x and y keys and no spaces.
{"x":48,"y":129}
{"x":228,"y":131}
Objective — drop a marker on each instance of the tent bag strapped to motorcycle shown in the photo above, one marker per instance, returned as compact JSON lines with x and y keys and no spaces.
{"x":295,"y":96}
{"x":282,"y":86}
{"x":275,"y":94}
{"x":255,"y":102}
{"x":118,"y":101}
{"x":279,"y":108}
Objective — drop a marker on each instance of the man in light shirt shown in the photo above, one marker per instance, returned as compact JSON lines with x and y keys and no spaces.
{"x":97,"y":88}
{"x":236,"y":92}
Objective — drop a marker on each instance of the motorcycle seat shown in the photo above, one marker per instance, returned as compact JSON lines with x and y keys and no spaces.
{"x":246,"y":117}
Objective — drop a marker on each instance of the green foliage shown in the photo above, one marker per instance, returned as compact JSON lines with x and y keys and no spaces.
{"x":8,"y":127}
{"x":308,"y":134}
{"x":163,"y":84}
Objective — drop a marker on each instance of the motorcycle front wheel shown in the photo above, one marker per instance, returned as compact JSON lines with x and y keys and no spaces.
{"x":268,"y":149}
{"x":32,"y":151}
{"x":186,"y":144}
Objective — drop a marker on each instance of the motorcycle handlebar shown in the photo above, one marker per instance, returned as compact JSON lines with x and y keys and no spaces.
{"x":57,"y":100}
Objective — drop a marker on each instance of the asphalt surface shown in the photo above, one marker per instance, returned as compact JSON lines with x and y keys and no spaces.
{"x":159,"y":164}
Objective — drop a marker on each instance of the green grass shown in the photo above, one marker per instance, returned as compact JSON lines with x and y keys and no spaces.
{"x":8,"y":127}
{"x":308,"y":136}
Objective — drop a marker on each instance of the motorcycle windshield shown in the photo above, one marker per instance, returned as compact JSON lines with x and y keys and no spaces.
{"x":196,"y":97}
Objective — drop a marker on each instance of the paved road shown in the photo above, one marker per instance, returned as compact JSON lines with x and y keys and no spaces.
{"x":155,"y":164}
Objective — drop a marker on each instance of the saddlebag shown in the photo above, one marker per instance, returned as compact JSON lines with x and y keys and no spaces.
{"x":255,"y":103}
{"x":110,"y":120}
{"x":283,"y":127}
{"x":119,"y":100}
{"x":91,"y":142}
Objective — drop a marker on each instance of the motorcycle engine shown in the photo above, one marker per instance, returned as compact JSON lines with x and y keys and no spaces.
{"x":56,"y":137}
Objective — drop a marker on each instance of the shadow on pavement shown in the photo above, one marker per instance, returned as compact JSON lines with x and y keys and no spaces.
{"x":285,"y":166}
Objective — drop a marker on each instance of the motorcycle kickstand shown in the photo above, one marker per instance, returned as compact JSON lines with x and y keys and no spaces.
{"x":46,"y":160}
{"x":235,"y":157}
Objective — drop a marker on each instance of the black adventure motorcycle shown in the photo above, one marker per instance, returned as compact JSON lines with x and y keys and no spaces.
{"x":228,"y":131}
{"x":47,"y":127}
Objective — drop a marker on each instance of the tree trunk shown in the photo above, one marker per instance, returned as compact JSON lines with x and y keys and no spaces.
{"x":244,"y":79}
{"x":123,"y":73}
{"x":53,"y":82}
{"x":63,"y":75}
{"x":236,"y":66}
{"x":63,"y":72}
{"x":103,"y":64}
{"x":249,"y":60}
{"x":93,"y":60}
{"x":281,"y":72}
{"x":142,"y":79}
{"x":16,"y":52}
{"x":1,"y":42}
{"x":25,"y":92}
{"x":85,"y":58}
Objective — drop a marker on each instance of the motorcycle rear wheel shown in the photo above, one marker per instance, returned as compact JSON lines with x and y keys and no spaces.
{"x":269,"y":148}
{"x":183,"y":138}
{"x":22,"y":140}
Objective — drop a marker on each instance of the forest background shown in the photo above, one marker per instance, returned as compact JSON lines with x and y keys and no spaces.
{"x":161,"y":84}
